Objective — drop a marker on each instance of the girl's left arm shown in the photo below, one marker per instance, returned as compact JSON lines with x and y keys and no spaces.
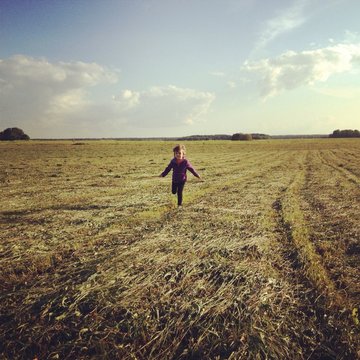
{"x":192,"y":170}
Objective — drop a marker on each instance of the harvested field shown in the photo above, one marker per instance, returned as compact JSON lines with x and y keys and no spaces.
{"x":262,"y":261}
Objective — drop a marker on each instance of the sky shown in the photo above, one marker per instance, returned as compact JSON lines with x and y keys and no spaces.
{"x":172,"y":68}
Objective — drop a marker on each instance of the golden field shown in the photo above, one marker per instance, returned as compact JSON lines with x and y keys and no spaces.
{"x":262,"y":261}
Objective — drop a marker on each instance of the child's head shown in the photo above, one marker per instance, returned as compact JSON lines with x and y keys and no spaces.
{"x":179,"y":151}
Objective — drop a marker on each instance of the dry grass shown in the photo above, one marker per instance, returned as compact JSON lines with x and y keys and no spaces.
{"x":261,"y":263}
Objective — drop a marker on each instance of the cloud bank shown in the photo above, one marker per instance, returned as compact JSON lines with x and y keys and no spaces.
{"x":167,"y":106}
{"x":293,"y":69}
{"x":37,"y":94}
{"x":61,"y":100}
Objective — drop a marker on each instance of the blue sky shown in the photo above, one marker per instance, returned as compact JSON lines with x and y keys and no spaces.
{"x":124,"y":68}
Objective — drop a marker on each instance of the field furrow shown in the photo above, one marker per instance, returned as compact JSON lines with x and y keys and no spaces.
{"x":331,"y":306}
{"x":334,"y":161}
{"x":334,"y":218}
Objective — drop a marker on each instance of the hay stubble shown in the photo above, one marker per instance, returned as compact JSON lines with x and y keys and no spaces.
{"x":96,"y":260}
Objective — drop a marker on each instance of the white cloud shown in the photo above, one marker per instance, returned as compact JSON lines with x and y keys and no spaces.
{"x":218,"y":74}
{"x":286,"y":20}
{"x":293,"y":69}
{"x":66,"y":103}
{"x":351,"y":37}
{"x":165,"y":106}
{"x":127,"y":100}
{"x":231,"y":84}
{"x":21,"y":69}
{"x":64,"y":99}
{"x":36,"y":93}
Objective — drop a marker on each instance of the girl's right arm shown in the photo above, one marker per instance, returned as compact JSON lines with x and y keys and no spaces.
{"x":166,"y":171}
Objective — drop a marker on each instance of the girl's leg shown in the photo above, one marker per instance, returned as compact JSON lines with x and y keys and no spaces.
{"x":180,"y":188}
{"x":174,"y":188}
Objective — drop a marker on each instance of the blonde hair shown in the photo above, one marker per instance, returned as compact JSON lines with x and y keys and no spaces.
{"x":179,"y":147}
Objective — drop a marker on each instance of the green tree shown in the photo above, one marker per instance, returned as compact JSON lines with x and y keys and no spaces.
{"x":345,"y":133}
{"x":241,"y":136}
{"x":13,"y":134}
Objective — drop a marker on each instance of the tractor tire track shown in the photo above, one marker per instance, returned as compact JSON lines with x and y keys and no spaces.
{"x":305,"y":268}
{"x":334,"y":162}
{"x":335,"y":228}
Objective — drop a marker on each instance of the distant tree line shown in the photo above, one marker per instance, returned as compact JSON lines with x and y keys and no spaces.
{"x":247,"y":137}
{"x":205,"y":137}
{"x":237,"y":136}
{"x":345,"y":134}
{"x":13,"y":134}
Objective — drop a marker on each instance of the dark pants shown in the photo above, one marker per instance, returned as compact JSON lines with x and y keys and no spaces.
{"x":178,"y":188}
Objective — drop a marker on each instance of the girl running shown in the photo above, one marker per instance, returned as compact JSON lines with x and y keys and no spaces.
{"x":179,"y":165}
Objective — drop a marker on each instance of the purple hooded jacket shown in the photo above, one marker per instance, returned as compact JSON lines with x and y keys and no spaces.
{"x":179,"y":170}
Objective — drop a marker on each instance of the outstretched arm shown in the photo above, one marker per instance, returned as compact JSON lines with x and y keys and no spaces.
{"x":166,"y":171}
{"x":192,"y":170}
